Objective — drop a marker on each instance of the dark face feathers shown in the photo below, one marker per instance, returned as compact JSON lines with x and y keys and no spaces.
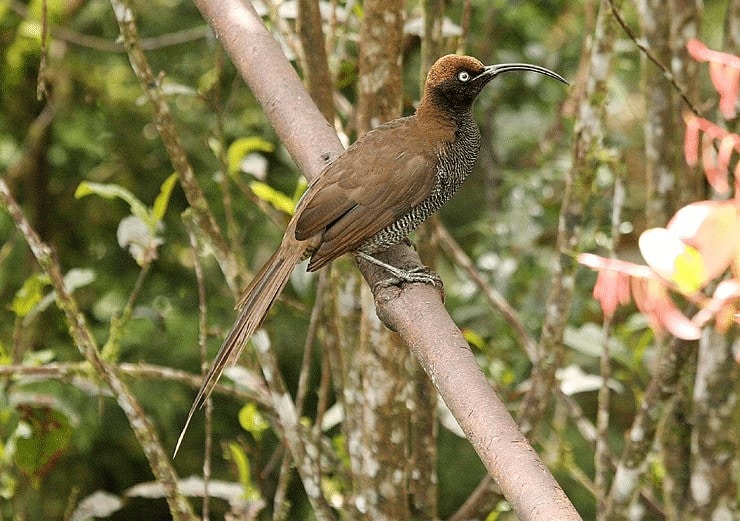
{"x":457,"y":80}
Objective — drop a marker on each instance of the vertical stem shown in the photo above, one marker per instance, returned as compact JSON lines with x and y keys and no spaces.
{"x":602,"y":456}
{"x":168,"y":132}
{"x":379,"y":362}
{"x":315,"y":66}
{"x":661,"y":115}
{"x":685,"y":25}
{"x":714,"y":440}
{"x":587,"y":144}
{"x":640,"y":438}
{"x":202,"y":339}
{"x":432,"y":14}
{"x":379,"y":82}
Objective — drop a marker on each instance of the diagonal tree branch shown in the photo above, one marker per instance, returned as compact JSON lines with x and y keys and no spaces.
{"x":416,"y":312}
{"x":165,"y":124}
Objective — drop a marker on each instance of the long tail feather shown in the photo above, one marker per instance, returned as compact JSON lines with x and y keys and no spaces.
{"x":253,"y":306}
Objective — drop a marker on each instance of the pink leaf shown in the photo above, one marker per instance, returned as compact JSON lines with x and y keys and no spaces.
{"x":716,"y":177}
{"x":655,"y":303}
{"x":691,"y":140}
{"x":726,"y":146}
{"x":612,"y":288}
{"x":702,"y":53}
{"x":726,"y":80}
{"x":597,"y":262}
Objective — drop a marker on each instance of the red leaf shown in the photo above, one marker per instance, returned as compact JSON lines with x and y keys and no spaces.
{"x":726,"y":80}
{"x":716,"y":177}
{"x":612,"y":288}
{"x":691,"y":140}
{"x":655,"y":303}
{"x":702,"y":53}
{"x":726,"y":146}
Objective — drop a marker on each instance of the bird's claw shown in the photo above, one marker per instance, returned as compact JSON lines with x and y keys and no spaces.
{"x":401,"y":276}
{"x":421,"y":274}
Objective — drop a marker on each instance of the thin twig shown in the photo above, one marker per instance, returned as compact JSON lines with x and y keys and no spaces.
{"x":602,"y":458}
{"x":650,"y":56}
{"x":165,"y":124}
{"x":118,"y":323}
{"x":78,"y":374}
{"x":42,"y":88}
{"x":202,"y":341}
{"x":96,"y":43}
{"x":495,"y":299}
{"x":308,"y":345}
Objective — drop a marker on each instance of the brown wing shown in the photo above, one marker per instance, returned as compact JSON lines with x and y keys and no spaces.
{"x":376,"y":181}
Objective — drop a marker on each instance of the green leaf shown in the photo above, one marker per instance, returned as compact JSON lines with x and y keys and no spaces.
{"x":276,"y":198}
{"x":300,"y":189}
{"x":4,"y":360}
{"x":252,"y":420}
{"x":50,"y":433}
{"x":113,"y":191}
{"x":160,"y":203}
{"x":29,"y":294}
{"x":474,"y":338}
{"x":241,"y":462}
{"x":243,"y":146}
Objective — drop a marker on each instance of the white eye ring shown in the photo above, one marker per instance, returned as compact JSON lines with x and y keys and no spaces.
{"x":463,"y":76}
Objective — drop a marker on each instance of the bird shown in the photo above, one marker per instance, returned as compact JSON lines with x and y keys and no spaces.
{"x":374,"y":194}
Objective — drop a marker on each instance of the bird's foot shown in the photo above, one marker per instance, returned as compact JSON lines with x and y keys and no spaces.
{"x":399,"y":276}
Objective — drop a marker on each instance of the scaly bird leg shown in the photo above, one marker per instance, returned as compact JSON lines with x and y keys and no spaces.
{"x":421,"y":274}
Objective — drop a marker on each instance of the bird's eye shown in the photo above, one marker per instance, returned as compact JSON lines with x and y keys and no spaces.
{"x":463,"y":76}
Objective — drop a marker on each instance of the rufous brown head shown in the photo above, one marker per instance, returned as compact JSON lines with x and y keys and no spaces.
{"x":455,"y":81}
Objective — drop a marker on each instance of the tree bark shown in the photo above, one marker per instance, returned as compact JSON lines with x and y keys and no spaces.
{"x":661,"y":116}
{"x":315,"y":64}
{"x":714,"y":439}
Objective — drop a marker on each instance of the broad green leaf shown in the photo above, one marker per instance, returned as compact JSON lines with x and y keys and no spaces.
{"x":276,"y":198}
{"x":29,"y":294}
{"x":160,"y":203}
{"x":243,"y":146}
{"x":49,"y":436}
{"x":252,"y":421}
{"x":113,"y":191}
{"x":241,"y":462}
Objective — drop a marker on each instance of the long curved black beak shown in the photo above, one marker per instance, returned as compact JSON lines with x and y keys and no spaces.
{"x":491,"y":71}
